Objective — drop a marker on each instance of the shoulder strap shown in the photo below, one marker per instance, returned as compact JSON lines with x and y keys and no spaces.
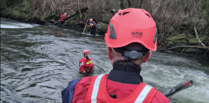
{"x":67,"y":93}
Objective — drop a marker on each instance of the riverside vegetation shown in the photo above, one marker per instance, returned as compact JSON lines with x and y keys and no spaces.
{"x":183,"y":25}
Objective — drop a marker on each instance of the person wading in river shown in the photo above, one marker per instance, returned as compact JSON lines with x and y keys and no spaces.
{"x":85,"y":63}
{"x":130,"y":38}
{"x":93,"y":26}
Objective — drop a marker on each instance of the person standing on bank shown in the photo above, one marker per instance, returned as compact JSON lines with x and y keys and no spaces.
{"x":130,"y":38}
{"x":93,"y":26}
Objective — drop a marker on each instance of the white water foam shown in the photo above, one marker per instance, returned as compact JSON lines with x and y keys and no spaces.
{"x":7,"y":23}
{"x":163,"y":75}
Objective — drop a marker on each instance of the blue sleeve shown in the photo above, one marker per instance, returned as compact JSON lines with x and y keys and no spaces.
{"x":95,"y":25}
{"x":88,"y":23}
{"x":67,"y":93}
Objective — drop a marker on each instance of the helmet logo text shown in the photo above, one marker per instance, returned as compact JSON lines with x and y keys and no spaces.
{"x":136,"y":34}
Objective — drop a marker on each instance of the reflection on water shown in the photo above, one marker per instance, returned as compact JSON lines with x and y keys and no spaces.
{"x":38,"y":62}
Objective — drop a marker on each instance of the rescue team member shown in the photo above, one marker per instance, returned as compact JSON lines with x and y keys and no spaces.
{"x":130,"y":38}
{"x":62,"y":18}
{"x":85,"y":63}
{"x":93,"y":26}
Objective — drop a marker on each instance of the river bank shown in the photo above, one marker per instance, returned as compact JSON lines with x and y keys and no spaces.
{"x":173,"y":35}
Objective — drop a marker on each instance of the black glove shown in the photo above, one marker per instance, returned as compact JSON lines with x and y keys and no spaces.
{"x":88,"y":68}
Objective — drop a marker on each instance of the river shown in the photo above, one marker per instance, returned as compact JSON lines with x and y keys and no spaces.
{"x":38,"y":61}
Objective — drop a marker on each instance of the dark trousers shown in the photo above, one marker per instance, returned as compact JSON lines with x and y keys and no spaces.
{"x":61,"y":23}
{"x":93,"y":31}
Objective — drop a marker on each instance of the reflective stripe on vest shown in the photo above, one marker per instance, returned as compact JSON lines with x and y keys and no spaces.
{"x":96,"y":89}
{"x":143,"y":94}
{"x":139,"y":99}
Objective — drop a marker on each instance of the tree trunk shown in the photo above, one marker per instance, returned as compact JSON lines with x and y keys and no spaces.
{"x":129,"y":3}
{"x":79,"y":10}
{"x":198,"y":37}
{"x":140,"y":5}
{"x":122,"y":4}
{"x":189,"y":46}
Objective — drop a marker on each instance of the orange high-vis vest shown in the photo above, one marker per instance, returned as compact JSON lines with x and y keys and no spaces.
{"x":97,"y":92}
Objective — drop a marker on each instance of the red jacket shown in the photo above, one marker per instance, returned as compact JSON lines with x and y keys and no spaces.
{"x":81,"y":91}
{"x":85,"y":65}
{"x":62,"y":17}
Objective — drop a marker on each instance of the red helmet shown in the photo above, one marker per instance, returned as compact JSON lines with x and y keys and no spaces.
{"x":131,"y":25}
{"x":86,"y":51}
{"x":90,"y":20}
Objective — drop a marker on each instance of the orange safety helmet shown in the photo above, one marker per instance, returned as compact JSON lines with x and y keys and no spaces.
{"x":86,"y":51}
{"x":132,"y":25}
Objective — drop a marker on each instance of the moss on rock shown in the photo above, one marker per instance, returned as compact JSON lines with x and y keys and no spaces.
{"x":195,"y":41}
{"x":70,"y":22}
{"x":102,"y":28}
{"x":184,"y":39}
{"x":177,"y":37}
{"x":19,"y":10}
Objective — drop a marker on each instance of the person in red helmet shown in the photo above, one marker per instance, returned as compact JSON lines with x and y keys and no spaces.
{"x":85,"y":63}
{"x":130,"y":38}
{"x":62,"y":18}
{"x":93,"y":26}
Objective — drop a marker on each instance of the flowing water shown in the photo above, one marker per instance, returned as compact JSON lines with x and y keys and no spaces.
{"x":38,"y":61}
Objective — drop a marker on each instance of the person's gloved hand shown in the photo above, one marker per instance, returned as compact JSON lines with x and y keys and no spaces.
{"x":88,"y":68}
